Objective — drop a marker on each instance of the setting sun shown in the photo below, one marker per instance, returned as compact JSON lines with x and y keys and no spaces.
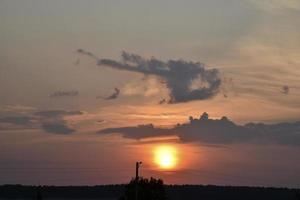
{"x":165,"y":157}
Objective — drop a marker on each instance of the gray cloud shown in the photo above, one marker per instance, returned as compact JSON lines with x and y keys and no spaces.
{"x":185,"y":80}
{"x":218,"y":131}
{"x":57,"y":128}
{"x":18,"y":120}
{"x":71,"y":93}
{"x":50,"y":121}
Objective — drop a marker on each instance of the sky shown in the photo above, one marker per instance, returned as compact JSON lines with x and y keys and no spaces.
{"x":87,"y":88}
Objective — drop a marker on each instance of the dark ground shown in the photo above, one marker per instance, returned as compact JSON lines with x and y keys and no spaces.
{"x":174,"y":192}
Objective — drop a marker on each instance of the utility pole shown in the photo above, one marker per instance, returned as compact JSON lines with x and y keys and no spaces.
{"x":137,"y":166}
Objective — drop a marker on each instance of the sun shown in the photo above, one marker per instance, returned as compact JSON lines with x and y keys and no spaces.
{"x":165,"y":157}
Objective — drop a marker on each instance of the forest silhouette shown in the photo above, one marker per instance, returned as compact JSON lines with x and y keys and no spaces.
{"x":149,"y":189}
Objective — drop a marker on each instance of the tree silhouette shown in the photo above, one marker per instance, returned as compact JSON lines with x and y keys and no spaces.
{"x":145,"y":189}
{"x":297,"y":196}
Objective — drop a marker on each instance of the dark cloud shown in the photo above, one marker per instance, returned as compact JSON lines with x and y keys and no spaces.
{"x":71,"y":93}
{"x":139,"y":132}
{"x":185,"y":80}
{"x":49,"y":120}
{"x":285,"y":89}
{"x":52,"y":121}
{"x":281,"y":133}
{"x":57,"y":113}
{"x":81,"y":51}
{"x":113,"y":95}
{"x":218,"y":131}
{"x":101,"y":121}
{"x":18,"y":120}
{"x":57,"y":128}
{"x":162,"y":101}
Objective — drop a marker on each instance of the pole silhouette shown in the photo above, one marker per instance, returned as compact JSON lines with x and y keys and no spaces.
{"x":137,"y":166}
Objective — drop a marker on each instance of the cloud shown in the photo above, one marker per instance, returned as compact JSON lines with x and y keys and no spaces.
{"x":57,"y":94}
{"x":81,"y":51}
{"x":217,"y":131}
{"x":113,"y":95}
{"x":57,"y":128}
{"x":275,"y":6}
{"x":57,"y":113}
{"x":147,"y":86}
{"x":185,"y":80}
{"x":17,"y":120}
{"x":162,"y":101}
{"x":50,"y":121}
{"x":139,"y":132}
{"x":16,"y":108}
{"x":285,"y":89}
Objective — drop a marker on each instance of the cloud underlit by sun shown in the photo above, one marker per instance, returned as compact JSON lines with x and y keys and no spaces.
{"x":165,"y":157}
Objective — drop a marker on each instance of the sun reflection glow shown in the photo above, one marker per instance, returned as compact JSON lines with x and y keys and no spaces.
{"x":165,"y":157}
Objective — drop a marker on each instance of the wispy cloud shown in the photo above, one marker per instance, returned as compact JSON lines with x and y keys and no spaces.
{"x":57,"y":113}
{"x":57,"y":94}
{"x":147,"y":86}
{"x":185,"y":80}
{"x":57,"y":128}
{"x":18,"y":120}
{"x":16,"y":108}
{"x":277,"y":5}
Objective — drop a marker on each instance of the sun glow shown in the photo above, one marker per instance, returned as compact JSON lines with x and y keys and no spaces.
{"x":165,"y":157}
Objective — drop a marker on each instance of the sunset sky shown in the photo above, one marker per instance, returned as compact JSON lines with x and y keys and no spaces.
{"x":87,"y":88}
